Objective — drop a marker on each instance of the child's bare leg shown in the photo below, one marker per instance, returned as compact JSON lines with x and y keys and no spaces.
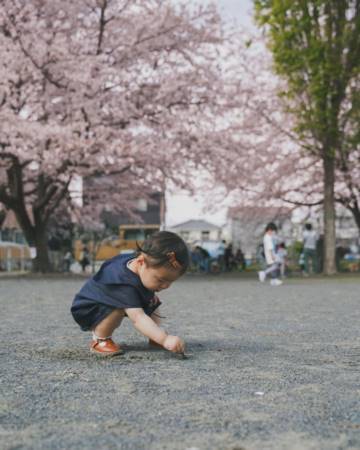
{"x":102,"y":344}
{"x":107,"y":326}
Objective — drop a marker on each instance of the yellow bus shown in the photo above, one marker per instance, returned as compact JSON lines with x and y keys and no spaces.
{"x":125,"y":243}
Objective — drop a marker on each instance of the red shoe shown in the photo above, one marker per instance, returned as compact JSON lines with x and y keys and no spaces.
{"x":105,"y":347}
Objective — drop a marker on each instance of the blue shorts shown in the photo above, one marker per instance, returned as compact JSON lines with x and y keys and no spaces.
{"x":88,"y":313}
{"x":91,"y":316}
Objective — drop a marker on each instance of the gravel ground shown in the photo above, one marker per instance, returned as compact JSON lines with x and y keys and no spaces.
{"x":268,"y":368}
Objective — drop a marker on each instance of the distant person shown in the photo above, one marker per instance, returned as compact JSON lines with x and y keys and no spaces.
{"x":228,"y":258}
{"x":310,"y":240}
{"x":126,"y":286}
{"x":260,"y":256}
{"x":202,"y":256}
{"x":272,"y":268}
{"x":54,"y":246}
{"x":240,"y":259}
{"x":84,"y":258}
{"x":281,"y":258}
{"x":195,"y":258}
{"x":67,"y":261}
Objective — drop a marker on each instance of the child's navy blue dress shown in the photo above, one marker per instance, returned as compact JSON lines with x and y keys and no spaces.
{"x":113,"y":286}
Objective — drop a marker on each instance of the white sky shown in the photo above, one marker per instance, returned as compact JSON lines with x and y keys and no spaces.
{"x":239,"y":10}
{"x":181,"y":207}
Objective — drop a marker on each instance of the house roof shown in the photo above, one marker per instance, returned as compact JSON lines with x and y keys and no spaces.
{"x":192,"y":225}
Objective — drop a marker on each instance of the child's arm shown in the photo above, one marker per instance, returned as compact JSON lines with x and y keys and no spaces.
{"x":150,"y":329}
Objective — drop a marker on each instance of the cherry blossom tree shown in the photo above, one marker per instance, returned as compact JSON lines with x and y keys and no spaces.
{"x":281,"y":168}
{"x":315,"y":46}
{"x":263,"y":161}
{"x":121,"y":91}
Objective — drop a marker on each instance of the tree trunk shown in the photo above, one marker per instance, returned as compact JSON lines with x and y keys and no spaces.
{"x":329,"y":216}
{"x":356,"y":214}
{"x":42,"y":261}
{"x":36,"y":236}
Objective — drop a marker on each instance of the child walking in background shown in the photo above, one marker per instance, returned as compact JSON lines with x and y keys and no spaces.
{"x":281,"y":258}
{"x":270,"y":256}
{"x":125,"y":286}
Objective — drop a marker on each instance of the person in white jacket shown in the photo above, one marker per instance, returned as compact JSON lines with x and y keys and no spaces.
{"x":310,"y":238}
{"x":272,"y":268}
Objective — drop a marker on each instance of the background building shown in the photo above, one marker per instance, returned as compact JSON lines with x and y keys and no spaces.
{"x":197,"y":230}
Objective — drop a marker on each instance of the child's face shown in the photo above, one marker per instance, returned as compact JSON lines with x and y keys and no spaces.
{"x":157,"y":278}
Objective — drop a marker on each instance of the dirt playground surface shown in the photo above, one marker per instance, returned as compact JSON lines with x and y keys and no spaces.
{"x":268,"y":368}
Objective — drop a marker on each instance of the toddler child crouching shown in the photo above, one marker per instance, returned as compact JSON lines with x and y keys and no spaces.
{"x":125,"y":286}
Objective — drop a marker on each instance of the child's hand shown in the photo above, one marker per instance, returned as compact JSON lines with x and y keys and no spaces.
{"x":174,"y":344}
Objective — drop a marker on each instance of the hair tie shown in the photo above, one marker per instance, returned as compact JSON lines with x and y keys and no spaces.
{"x":172,"y":260}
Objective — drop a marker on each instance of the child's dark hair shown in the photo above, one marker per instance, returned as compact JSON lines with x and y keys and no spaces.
{"x":164,"y":248}
{"x":271,"y":226}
